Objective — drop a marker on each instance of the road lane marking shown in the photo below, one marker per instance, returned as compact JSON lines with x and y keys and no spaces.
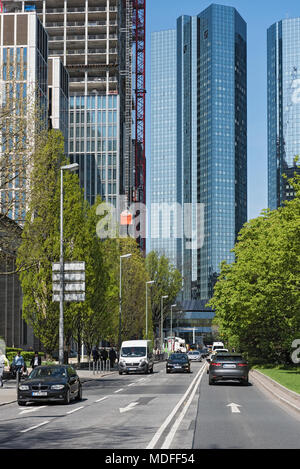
{"x":119,"y":390}
{"x":234,"y":408}
{"x":128,"y":408}
{"x":31,"y":409}
{"x":102,"y":399}
{"x":36,"y":426}
{"x":169,"y":438}
{"x":74,"y":410}
{"x":132,"y":384}
{"x":171,"y":415}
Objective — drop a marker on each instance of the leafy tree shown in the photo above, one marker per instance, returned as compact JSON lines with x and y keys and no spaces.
{"x":257,"y":298}
{"x":167,"y":282}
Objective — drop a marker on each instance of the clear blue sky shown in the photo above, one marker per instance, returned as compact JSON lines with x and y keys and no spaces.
{"x":259,"y":16}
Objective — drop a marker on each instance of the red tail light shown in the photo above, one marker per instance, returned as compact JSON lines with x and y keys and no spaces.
{"x":242,"y":364}
{"x":216,"y":364}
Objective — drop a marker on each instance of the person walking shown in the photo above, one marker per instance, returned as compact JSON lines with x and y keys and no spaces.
{"x":18,"y":363}
{"x":36,"y":360}
{"x":112,"y":357}
{"x":3,"y":363}
{"x":95,"y":354}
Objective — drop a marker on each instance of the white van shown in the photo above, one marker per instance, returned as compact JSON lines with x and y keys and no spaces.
{"x":217,"y":345}
{"x":136,"y":355}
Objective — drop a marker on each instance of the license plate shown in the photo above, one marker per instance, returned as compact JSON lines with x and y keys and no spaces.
{"x":39,"y":393}
{"x":177,"y":366}
{"x":229,"y":366}
{"x":131,"y":369}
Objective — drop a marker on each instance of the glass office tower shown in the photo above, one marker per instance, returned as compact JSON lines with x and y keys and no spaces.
{"x":163,"y":171}
{"x":211,"y":142}
{"x":222,"y":137}
{"x":283,"y":108}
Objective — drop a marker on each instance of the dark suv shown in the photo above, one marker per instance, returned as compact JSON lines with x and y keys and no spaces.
{"x":228,"y":366}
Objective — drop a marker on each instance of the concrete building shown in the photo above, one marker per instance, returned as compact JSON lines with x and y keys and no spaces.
{"x":13,"y":329}
{"x":23,"y":74}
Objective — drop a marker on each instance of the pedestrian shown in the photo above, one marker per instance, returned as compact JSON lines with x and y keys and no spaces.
{"x":112,"y":357}
{"x":36,"y":360}
{"x":104,"y":355}
{"x":18,"y":363}
{"x":3,"y":363}
{"x":95,"y":354}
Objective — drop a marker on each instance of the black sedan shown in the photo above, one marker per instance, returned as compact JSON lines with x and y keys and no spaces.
{"x":178,"y":362}
{"x":50,"y":383}
{"x":228,"y":366}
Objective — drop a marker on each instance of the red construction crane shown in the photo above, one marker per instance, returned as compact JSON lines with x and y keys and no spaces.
{"x":139,"y":38}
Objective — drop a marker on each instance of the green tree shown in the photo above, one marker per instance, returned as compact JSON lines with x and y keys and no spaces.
{"x":257,"y":298}
{"x":167,"y":282}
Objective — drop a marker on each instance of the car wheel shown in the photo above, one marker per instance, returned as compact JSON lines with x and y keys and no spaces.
{"x":211,"y":381}
{"x":151,"y":369}
{"x":120,"y":372}
{"x":79,"y":394}
{"x":146,"y":370}
{"x":21,"y":403}
{"x":167,"y":371}
{"x":67,"y":398}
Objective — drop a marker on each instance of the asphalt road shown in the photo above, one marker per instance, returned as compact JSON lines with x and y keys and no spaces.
{"x":158,"y":411}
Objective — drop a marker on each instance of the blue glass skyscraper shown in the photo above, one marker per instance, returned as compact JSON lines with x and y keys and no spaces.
{"x":211,"y":142}
{"x":283,"y":108}
{"x":163,"y":170}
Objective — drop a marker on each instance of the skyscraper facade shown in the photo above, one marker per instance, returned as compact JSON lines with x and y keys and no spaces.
{"x":283,"y":108}
{"x":163,"y":169}
{"x":211,"y":142}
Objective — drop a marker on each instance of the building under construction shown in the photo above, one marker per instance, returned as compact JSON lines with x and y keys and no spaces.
{"x":101,"y":43}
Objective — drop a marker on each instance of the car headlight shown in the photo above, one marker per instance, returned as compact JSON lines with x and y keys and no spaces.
{"x":57,"y":386}
{"x":24,"y":387}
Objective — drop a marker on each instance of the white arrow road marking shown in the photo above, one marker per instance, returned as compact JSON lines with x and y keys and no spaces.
{"x":129,"y":407}
{"x":234,"y":408}
{"x":36,"y":426}
{"x":31,"y":409}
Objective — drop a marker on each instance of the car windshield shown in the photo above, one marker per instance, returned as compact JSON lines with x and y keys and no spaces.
{"x":133,"y":352}
{"x":178,"y":357}
{"x":229,"y":358}
{"x":47,"y":371}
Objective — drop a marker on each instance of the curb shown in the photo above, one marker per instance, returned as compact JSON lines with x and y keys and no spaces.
{"x":287,"y":391}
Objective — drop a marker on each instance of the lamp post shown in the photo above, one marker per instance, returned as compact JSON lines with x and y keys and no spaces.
{"x":173,"y":306}
{"x":69,"y":167}
{"x":162,"y":321}
{"x":125,"y":256}
{"x":147,"y":283}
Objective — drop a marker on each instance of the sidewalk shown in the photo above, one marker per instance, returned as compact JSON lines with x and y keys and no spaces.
{"x":8,"y":393}
{"x":287,"y":397}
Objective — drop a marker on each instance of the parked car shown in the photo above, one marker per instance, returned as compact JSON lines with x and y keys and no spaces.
{"x":178,"y":362}
{"x":228,"y":366}
{"x":195,"y":356}
{"x":50,"y":383}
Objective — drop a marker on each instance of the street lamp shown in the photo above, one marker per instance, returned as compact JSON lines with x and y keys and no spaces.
{"x":125,"y":256}
{"x":162,"y":320}
{"x":173,"y":306}
{"x":68,"y":167}
{"x":147,"y":283}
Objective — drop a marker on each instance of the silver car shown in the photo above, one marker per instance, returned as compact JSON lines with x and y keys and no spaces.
{"x":195,"y":356}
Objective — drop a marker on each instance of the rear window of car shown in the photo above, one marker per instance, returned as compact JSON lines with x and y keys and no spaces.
{"x":229,"y":358}
{"x":178,"y":357}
